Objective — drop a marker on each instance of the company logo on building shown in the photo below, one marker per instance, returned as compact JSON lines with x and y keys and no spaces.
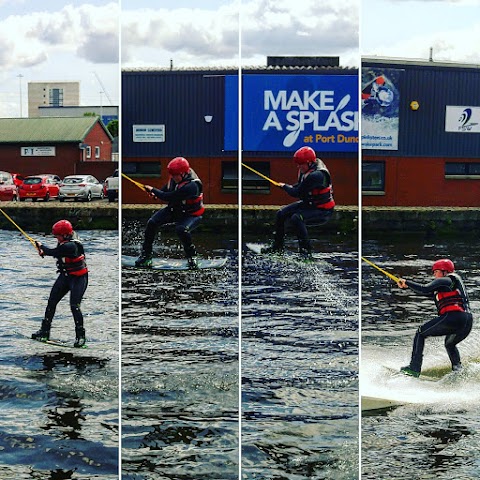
{"x":465,"y":120}
{"x":462,"y":119}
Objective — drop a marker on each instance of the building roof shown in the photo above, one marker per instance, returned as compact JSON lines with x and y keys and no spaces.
{"x":417,"y":62}
{"x":47,"y":129}
{"x":306,"y":69}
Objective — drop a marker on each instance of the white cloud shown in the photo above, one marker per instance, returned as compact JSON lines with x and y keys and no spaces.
{"x":69,"y":42}
{"x":452,"y":45}
{"x":191,"y":35}
{"x":450,"y":27}
{"x":197,"y":37}
{"x":306,"y":28}
{"x":31,"y":39}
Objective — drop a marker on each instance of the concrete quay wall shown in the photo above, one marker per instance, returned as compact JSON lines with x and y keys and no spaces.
{"x":40,"y":216}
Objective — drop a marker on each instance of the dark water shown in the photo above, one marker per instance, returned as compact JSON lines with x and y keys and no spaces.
{"x":436,"y":434}
{"x":180,"y":365}
{"x":300,"y":365}
{"x":58,"y":406}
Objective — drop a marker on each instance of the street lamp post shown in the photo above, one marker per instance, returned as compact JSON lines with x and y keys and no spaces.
{"x":20,"y":76}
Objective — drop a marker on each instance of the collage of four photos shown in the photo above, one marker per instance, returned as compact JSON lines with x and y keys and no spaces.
{"x":238,"y":240}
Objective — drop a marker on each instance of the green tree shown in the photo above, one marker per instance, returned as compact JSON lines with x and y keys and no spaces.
{"x":112,"y":127}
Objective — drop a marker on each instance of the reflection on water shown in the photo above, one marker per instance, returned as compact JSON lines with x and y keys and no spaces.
{"x":435,"y":433}
{"x":180,"y":367}
{"x":299,"y":365}
{"x":58,"y":407}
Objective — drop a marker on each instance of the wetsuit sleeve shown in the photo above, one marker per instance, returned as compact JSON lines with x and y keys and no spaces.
{"x":64,"y":250}
{"x":187,"y":191}
{"x":299,"y":190}
{"x":430,"y":288}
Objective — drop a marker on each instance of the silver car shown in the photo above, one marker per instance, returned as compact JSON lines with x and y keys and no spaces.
{"x":80,"y":187}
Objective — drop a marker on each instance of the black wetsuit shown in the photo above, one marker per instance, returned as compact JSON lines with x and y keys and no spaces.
{"x":454,"y":319}
{"x":185,"y":209}
{"x":73,"y":278}
{"x":314,"y":207}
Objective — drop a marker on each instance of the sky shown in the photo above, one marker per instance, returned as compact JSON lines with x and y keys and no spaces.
{"x":209,"y":35}
{"x":71,"y":40}
{"x":78,"y":40}
{"x":408,"y":29}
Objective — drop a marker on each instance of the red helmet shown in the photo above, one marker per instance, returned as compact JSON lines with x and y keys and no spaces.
{"x":62,"y":227}
{"x":444,"y":264}
{"x":304,"y":155}
{"x":178,"y":166}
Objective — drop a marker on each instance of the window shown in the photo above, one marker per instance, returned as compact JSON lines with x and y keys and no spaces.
{"x":150,"y":169}
{"x":253,"y":183}
{"x":229,"y":177}
{"x":88,"y":151}
{"x":97,"y":152}
{"x":373,"y":177}
{"x":462,"y":170}
{"x":56,"y":97}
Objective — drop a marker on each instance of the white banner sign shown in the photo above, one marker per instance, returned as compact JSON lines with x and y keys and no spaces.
{"x":37,"y":151}
{"x":462,"y":119}
{"x":149,"y":133}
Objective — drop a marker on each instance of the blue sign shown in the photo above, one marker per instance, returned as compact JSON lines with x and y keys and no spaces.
{"x":230,"y":137}
{"x":106,"y":119}
{"x":285,"y":112}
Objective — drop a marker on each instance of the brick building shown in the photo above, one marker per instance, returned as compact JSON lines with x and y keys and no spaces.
{"x":61,"y":146}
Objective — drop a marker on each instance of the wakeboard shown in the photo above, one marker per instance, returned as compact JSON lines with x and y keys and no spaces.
{"x":430,"y":375}
{"x":255,"y":247}
{"x":175,"y":263}
{"x":374,"y":403}
{"x":53,"y":342}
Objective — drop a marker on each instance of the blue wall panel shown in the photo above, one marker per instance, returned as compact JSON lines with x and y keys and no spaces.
{"x":180,"y":101}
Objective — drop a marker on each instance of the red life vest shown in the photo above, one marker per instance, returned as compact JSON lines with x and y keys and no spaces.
{"x":323,"y":197}
{"x":456,"y":300}
{"x":449,"y":302}
{"x":193,"y":206}
{"x":320,"y":197}
{"x":77,"y":265}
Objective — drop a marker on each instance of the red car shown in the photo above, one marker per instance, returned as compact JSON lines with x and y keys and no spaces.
{"x":17,"y":179}
{"x":8,"y":189}
{"x":36,"y":187}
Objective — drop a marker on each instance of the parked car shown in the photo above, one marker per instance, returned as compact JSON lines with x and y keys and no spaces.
{"x":8,"y":189}
{"x":36,"y":187}
{"x":17,"y":179}
{"x":51,"y":176}
{"x":80,"y":187}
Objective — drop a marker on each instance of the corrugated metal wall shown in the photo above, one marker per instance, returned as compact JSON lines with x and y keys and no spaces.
{"x":180,"y":101}
{"x":422,"y":132}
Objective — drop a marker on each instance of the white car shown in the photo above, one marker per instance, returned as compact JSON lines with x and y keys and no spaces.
{"x":80,"y":187}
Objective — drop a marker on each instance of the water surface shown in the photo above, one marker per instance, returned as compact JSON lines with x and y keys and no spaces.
{"x":180,"y":365}
{"x":435,"y":434}
{"x":300,"y":364}
{"x":58,"y":406}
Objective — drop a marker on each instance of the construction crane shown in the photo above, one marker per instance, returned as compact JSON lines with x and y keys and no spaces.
{"x":103,"y":88}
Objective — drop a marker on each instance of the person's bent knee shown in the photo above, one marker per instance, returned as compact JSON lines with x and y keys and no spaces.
{"x":296,"y":219}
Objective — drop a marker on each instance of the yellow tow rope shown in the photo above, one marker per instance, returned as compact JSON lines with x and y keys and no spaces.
{"x":138,"y":184}
{"x":388,"y":274}
{"x":28,"y":237}
{"x":261,"y":175}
